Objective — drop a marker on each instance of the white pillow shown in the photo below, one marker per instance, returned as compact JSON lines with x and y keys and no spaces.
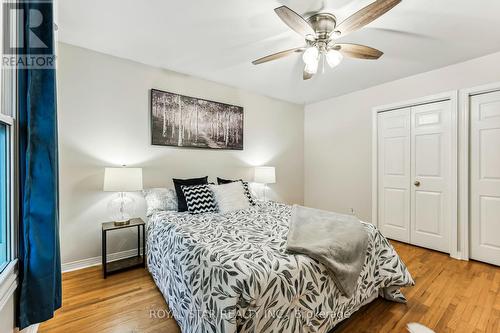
{"x":159,"y":199}
{"x":230,"y":197}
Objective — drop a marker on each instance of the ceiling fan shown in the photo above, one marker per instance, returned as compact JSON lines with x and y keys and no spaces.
{"x":321,"y":31}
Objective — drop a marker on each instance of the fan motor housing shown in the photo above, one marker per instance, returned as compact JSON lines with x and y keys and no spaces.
{"x":323,"y":24}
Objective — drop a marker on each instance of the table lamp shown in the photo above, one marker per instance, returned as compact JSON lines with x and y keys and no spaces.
{"x":122,"y":207}
{"x":265,"y":175}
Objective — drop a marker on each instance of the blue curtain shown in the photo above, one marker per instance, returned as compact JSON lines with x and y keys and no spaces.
{"x":39,"y":259}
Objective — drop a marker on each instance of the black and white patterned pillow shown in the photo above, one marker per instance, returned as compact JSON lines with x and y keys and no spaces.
{"x":222,"y":181}
{"x":199,"y":199}
{"x":248,"y":193}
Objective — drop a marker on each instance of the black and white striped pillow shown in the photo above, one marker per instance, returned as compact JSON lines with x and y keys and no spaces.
{"x":199,"y":199}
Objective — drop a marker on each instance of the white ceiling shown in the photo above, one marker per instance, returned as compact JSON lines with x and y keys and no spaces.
{"x":218,"y":39}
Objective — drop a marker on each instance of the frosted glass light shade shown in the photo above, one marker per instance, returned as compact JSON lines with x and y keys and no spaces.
{"x":311,"y":68}
{"x":265,"y":175}
{"x":310,"y":55}
{"x":333,"y":58}
{"x":122,"y":179}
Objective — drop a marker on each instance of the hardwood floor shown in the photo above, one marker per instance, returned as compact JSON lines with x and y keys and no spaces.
{"x":449,"y":296}
{"x":121,"y":303}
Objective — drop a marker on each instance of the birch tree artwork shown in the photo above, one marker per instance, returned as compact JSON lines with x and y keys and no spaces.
{"x":184,"y":121}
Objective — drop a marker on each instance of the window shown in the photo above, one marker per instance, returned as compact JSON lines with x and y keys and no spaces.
{"x":8,"y":104}
{"x":5,"y":193}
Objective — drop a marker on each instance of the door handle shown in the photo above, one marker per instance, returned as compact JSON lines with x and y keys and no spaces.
{"x":416,"y":183}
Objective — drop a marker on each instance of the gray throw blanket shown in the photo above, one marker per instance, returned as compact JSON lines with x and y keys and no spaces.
{"x":336,"y":240}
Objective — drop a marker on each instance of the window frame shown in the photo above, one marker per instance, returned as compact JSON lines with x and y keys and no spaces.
{"x":8,"y":113}
{"x":8,"y":122}
{"x":8,"y":275}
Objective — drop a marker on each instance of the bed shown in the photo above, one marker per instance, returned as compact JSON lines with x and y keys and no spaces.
{"x":230,"y":273}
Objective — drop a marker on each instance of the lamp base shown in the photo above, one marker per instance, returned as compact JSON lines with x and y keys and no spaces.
{"x":122,"y":223}
{"x":121,"y":209}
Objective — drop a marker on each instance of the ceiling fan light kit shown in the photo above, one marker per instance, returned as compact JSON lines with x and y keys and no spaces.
{"x":321,"y":31}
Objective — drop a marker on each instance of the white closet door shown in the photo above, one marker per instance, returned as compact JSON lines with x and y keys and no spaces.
{"x":485,"y":178}
{"x":394,"y":174}
{"x":431,"y":203}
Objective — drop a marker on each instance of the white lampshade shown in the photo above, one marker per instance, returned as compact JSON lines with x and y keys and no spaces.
{"x":265,"y":175}
{"x":122,"y":179}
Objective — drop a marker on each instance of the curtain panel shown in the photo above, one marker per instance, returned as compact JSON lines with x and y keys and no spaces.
{"x":39,"y":258}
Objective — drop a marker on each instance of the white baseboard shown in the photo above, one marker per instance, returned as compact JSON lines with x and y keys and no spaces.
{"x":8,"y":283}
{"x":89,"y":262}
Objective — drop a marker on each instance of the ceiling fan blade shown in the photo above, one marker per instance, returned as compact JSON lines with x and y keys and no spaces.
{"x":358,"y":51}
{"x":306,"y":75}
{"x":295,"y":21}
{"x":365,"y":16}
{"x":278,"y":55}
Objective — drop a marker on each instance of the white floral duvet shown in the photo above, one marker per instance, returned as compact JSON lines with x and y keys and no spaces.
{"x":229,"y":273}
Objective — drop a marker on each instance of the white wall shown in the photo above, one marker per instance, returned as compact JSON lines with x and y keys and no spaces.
{"x":338,"y":132}
{"x":104,"y":121}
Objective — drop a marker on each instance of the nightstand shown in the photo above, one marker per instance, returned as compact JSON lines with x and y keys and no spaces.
{"x":130,"y":262}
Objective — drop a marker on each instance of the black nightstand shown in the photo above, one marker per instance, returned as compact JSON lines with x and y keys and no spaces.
{"x":127,"y":263}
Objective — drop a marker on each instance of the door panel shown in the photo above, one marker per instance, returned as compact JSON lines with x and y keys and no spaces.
{"x":428,"y":218}
{"x":489,"y":161}
{"x":428,"y":149}
{"x":485,"y":178}
{"x":394,"y":158}
{"x":490,"y":228}
{"x":394,"y":173}
{"x":430,"y":175}
{"x":395,"y":208}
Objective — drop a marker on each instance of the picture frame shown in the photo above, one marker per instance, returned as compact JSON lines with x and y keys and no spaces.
{"x":184,"y":121}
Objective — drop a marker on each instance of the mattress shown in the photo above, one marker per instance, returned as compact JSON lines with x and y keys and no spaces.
{"x":230,"y":273}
